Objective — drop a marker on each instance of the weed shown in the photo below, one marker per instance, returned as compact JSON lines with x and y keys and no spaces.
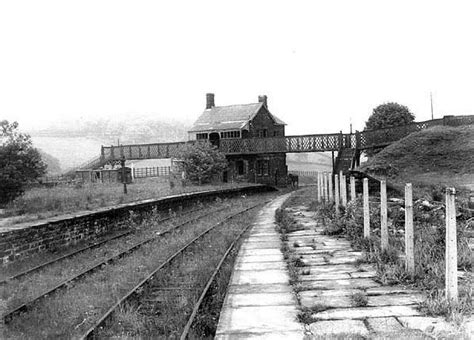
{"x":359,"y":299}
{"x":305,"y":315}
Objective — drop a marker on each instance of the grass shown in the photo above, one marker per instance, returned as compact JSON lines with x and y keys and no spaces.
{"x":442,"y":155}
{"x":168,"y":317}
{"x":41,"y":203}
{"x":359,"y":299}
{"x":70,"y":312}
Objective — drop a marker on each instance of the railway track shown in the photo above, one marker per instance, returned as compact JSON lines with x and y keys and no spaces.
{"x":154,"y":290}
{"x":83,"y":249}
{"x":9,"y":315}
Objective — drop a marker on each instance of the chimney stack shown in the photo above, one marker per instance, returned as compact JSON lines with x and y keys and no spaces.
{"x":263,"y":99}
{"x":209,"y":101}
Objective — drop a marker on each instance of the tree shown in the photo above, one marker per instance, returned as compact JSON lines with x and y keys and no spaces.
{"x":201,"y":161}
{"x":387,"y":115}
{"x":20,"y":162}
{"x":384,"y":116}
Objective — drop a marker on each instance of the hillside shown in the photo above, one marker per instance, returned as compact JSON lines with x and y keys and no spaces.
{"x":74,"y":143}
{"x":436,"y":156}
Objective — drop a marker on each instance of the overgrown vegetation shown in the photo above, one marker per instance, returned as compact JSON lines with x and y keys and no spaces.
{"x":442,"y":155}
{"x":39,"y":203}
{"x":70,"y":312}
{"x":201,"y":162}
{"x":429,"y":250}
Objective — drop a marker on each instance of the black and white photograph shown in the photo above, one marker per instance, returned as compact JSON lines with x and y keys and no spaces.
{"x":265,"y":169}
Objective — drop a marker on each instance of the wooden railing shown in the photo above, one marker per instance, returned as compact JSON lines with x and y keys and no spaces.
{"x":307,"y":143}
{"x":159,"y":171}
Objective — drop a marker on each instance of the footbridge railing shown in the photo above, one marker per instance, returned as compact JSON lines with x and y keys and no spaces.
{"x":306,"y":143}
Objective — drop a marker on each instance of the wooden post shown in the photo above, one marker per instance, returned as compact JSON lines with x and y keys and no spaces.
{"x":318,"y":181}
{"x":330,"y":187}
{"x":336,"y":192}
{"x":344,"y":190}
{"x":366,"y":208}
{"x":409,"y":240}
{"x":353,"y":189}
{"x":326,"y":189}
{"x":451,"y":247}
{"x":383,"y":215}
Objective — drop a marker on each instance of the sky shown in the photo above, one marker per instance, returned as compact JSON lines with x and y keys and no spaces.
{"x":322,"y":64}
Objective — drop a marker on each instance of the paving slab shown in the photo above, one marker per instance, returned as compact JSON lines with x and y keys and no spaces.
{"x":260,"y":265}
{"x":338,"y":327}
{"x":274,"y":335}
{"x":269,"y":276}
{"x":255,"y":288}
{"x":394,"y":300}
{"x":384,"y":325}
{"x":386,"y":290}
{"x":366,"y":312}
{"x":328,"y":293}
{"x":324,"y":276}
{"x":340,"y":284}
{"x":261,"y":299}
{"x":259,"y":302}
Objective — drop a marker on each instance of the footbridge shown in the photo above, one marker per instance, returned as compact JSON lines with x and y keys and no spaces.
{"x":357,"y":141}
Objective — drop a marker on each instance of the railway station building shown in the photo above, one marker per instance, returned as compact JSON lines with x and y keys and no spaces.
{"x":241,"y":123}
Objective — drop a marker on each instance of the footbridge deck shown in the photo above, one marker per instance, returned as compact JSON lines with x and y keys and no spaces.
{"x":289,"y":144}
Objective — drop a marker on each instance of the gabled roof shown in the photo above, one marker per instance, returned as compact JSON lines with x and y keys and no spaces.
{"x":229,"y":117}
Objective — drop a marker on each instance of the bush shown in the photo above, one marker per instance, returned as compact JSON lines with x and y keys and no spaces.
{"x":201,"y":162}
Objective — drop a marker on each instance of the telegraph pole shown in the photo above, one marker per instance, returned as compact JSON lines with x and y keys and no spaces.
{"x":431,"y":100}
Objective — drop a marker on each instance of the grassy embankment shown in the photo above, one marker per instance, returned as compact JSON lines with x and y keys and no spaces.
{"x":430,"y":159}
{"x":40,"y":203}
{"x":70,"y":312}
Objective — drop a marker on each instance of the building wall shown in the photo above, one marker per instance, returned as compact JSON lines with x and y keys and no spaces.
{"x":274,"y":171}
{"x":262,"y":121}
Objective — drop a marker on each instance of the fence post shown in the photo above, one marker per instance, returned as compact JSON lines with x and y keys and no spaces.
{"x":132,"y":171}
{"x":383,"y":215}
{"x":366,"y":208}
{"x":344,"y":190}
{"x":409,"y":241}
{"x":330,"y":187}
{"x":326,"y":189}
{"x":318,"y":181}
{"x":451,"y":247}
{"x":353,"y":188}
{"x":336,"y":192}
{"x":323,"y":185}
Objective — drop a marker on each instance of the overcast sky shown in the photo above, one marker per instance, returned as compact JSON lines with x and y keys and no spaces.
{"x":321,"y":63}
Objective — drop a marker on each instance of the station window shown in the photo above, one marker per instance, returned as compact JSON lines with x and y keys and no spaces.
{"x":201,"y":135}
{"x":262,"y":133}
{"x":263,"y":167}
{"x":230,"y":134}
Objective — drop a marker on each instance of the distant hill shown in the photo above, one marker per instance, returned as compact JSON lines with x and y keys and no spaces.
{"x":74,"y":143}
{"x":310,"y":161}
{"x":439,"y":155}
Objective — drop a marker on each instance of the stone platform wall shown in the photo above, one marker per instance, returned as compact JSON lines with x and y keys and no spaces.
{"x":70,"y":229}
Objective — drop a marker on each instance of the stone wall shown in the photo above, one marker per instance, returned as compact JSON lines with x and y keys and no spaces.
{"x":68,"y":230}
